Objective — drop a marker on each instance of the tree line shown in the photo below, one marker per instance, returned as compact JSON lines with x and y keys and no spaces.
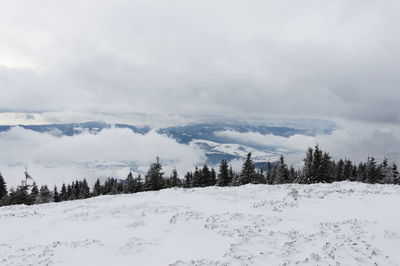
{"x":318,"y":167}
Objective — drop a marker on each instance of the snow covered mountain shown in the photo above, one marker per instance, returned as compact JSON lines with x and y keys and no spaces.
{"x":322,"y":224}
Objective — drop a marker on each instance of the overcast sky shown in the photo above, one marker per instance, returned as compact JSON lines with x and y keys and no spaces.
{"x":330,"y":59}
{"x":335,"y":60}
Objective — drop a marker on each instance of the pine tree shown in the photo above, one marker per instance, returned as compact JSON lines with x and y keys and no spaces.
{"x":129,"y":184}
{"x":362,"y":172}
{"x":45,"y":195}
{"x":354,"y":173}
{"x":292,"y":175}
{"x":327,"y":169}
{"x":97,"y":188}
{"x":340,"y":176}
{"x":188,"y":181}
{"x":114,"y":187}
{"x":197,"y":178}
{"x":205,"y":176}
{"x":56,"y":196}
{"x":3,"y":187}
{"x":317,"y":166}
{"x":213,"y":177}
{"x":371,"y":171}
{"x":154,"y":178}
{"x":281,"y":172}
{"x":224,"y":179}
{"x":389,"y":172}
{"x":174,"y":179}
{"x":396,"y":174}
{"x":138,"y":184}
{"x":84,"y":191}
{"x":70,"y":192}
{"x":348,"y":170}
{"x":33,"y":196}
{"x":308,"y":172}
{"x":270,"y":172}
{"x":63,"y":193}
{"x":110,"y":187}
{"x":21,"y":195}
{"x":11,"y":196}
{"x":248,"y":173}
{"x":77,"y":190}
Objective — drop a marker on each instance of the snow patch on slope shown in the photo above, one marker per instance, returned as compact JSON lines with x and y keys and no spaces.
{"x":236,"y":150}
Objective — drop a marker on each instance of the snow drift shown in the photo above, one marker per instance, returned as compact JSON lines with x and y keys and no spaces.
{"x":323,"y":224}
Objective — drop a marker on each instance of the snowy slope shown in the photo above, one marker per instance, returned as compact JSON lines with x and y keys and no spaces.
{"x":234,"y":150}
{"x":330,"y":224}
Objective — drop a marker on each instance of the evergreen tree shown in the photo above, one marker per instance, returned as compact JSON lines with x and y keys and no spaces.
{"x":389,"y":172}
{"x":197,"y":178}
{"x":11,"y":197}
{"x":340,"y":176}
{"x":327,"y":168}
{"x":70,"y":193}
{"x":292,"y":175}
{"x":45,"y":195}
{"x":347,"y":170}
{"x":396,"y":174}
{"x":308,"y":172}
{"x":154,"y":178}
{"x":248,"y":173}
{"x":84,"y":190}
{"x":372,"y":174}
{"x":232,"y":175}
{"x":362,"y":172}
{"x":63,"y":193}
{"x":259,"y":177}
{"x":97,"y":188}
{"x":129,"y":184}
{"x":138,"y":184}
{"x":77,"y":190}
{"x":56,"y":196}
{"x":224,"y":178}
{"x":33,"y":196}
{"x":213,"y":177}
{"x":188,"y":181}
{"x":205,"y":176}
{"x":174,"y":179}
{"x":21,"y":195}
{"x":317,"y":166}
{"x":3,"y":187}
{"x":270,"y":173}
{"x":354,"y":173}
{"x":114,"y":187}
{"x":281,"y":172}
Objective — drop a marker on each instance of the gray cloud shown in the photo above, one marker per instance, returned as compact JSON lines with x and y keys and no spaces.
{"x":282,"y":58}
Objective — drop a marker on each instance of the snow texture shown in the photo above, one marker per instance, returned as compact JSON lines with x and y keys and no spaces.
{"x":323,"y":224}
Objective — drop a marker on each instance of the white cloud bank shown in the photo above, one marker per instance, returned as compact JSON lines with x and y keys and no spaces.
{"x":52,"y":159}
{"x":353,"y":140}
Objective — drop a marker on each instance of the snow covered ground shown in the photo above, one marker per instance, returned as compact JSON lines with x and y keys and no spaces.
{"x":323,"y":224}
{"x":238,"y":150}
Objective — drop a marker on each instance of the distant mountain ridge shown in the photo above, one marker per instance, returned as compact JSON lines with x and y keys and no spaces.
{"x":215,"y":146}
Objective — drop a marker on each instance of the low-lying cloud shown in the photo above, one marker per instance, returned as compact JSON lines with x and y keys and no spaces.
{"x":353,"y":140}
{"x":52,"y":159}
